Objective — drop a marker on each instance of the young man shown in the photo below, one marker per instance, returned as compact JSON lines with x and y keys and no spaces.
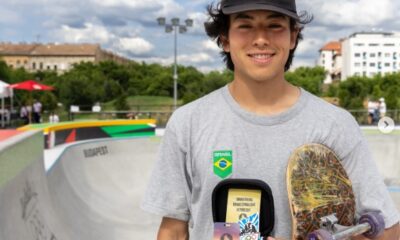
{"x":260,"y":119}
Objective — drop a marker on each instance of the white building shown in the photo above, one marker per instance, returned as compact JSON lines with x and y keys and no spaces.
{"x":330,"y":58}
{"x":370,"y":53}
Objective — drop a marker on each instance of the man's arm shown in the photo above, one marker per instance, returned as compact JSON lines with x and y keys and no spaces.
{"x":173,"y":229}
{"x":392,"y":233}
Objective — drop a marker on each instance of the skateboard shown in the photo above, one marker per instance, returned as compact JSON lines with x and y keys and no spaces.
{"x":321,"y":198}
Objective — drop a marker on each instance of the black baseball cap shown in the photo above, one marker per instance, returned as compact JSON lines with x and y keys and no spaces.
{"x":286,"y":7}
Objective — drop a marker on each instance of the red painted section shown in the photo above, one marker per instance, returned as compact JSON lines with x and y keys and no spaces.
{"x":71,"y":137}
{"x":5,"y":134}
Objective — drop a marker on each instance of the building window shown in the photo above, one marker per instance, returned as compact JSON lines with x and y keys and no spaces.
{"x":364,"y":55}
{"x":379,"y":54}
{"x":372,"y":64}
{"x":359,"y":44}
{"x":379,"y":65}
{"x":41,"y":66}
{"x":364,"y":74}
{"x":323,"y":55}
{"x":34,"y":66}
{"x":25,"y":62}
{"x":374,"y":44}
{"x":11,"y":66}
{"x":387,"y":64}
{"x":387,"y":55}
{"x":18,"y":62}
{"x":323,"y":62}
{"x":48,"y":67}
{"x":55,"y":67}
{"x":394,"y":56}
{"x":372,"y":55}
{"x":357,"y":64}
{"x":364,"y":64}
{"x":357,"y":55}
{"x":394,"y":65}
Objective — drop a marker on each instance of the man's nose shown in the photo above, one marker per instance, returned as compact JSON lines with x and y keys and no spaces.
{"x":261,"y":38}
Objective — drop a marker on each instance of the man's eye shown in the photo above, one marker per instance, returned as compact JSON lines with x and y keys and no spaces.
{"x":275,"y":26}
{"x":244,"y":26}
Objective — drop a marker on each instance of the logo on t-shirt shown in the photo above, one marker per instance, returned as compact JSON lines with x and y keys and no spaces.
{"x":223,"y":163}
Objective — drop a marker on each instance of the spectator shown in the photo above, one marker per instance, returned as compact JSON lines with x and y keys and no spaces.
{"x":37,"y":110}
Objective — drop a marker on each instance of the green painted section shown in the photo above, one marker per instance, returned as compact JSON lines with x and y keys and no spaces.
{"x":138,"y":134}
{"x":17,"y":157}
{"x":46,"y":125}
{"x":122,"y":129}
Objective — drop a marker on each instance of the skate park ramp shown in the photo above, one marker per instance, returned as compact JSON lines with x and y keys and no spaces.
{"x":92,"y":190}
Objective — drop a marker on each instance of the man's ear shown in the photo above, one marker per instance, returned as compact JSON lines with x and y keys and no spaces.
{"x":293,"y":37}
{"x":225,"y":43}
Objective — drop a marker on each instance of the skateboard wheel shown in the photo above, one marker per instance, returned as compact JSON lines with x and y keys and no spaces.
{"x":320,"y":234}
{"x":377,"y":223}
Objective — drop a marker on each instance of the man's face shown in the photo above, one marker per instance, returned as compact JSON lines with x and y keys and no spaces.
{"x":259,"y":43}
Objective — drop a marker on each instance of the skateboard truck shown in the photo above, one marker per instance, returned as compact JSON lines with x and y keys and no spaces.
{"x":370,"y":224}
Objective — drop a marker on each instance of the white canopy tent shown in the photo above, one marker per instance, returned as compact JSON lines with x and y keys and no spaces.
{"x":5,"y":92}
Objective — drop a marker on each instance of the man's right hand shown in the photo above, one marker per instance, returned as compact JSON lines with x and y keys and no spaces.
{"x":173,"y":229}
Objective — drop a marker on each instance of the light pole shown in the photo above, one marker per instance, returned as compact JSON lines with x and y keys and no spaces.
{"x":175,"y":26}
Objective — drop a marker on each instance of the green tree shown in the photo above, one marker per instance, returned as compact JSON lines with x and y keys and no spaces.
{"x":309,"y":78}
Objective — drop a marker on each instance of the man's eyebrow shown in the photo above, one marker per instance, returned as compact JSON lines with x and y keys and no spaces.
{"x":276,"y":15}
{"x":242,"y":16}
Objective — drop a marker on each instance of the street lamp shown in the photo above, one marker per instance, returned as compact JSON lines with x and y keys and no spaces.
{"x":175,"y":26}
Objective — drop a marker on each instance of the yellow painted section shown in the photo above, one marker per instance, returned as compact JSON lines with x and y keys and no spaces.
{"x":70,"y":125}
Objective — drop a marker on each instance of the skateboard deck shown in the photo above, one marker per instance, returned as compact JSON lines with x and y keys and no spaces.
{"x":317,"y":186}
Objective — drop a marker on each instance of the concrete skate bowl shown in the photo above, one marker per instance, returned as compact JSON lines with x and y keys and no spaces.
{"x":91,"y":191}
{"x":385,"y":149}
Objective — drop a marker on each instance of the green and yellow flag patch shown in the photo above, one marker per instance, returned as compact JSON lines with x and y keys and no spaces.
{"x":223,"y":163}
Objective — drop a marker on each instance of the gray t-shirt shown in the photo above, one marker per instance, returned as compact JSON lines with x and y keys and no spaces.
{"x":183,"y":179}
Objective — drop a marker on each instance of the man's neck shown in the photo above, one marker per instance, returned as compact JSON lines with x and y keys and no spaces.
{"x":264,"y":98}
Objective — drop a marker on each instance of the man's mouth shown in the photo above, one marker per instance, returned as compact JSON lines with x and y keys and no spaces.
{"x":261,"y":57}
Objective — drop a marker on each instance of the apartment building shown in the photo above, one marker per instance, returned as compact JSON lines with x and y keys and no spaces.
{"x":55,"y":57}
{"x":370,"y":53}
{"x":330,"y":58}
{"x":361,"y":54}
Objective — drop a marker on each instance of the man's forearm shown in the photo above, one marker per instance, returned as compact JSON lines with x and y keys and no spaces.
{"x":172,"y":229}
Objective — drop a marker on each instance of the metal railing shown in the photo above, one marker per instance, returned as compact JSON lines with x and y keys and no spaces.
{"x":361,"y":116}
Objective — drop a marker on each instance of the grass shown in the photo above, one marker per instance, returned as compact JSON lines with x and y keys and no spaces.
{"x":145,"y":103}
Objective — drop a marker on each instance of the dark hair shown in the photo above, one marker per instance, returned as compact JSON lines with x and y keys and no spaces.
{"x":218,"y":25}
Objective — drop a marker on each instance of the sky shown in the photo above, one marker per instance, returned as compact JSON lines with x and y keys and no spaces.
{"x":129,"y":27}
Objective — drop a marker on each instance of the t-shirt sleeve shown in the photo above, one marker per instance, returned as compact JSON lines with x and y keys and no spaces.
{"x":369,"y":189}
{"x":166,"y":192}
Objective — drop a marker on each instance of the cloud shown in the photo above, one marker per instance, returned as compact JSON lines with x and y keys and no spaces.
{"x":90,"y":33}
{"x":351,"y":12}
{"x":135,"y":46}
{"x":209,"y":45}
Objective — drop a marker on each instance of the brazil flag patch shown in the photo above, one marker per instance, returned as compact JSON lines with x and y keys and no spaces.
{"x":223,"y":163}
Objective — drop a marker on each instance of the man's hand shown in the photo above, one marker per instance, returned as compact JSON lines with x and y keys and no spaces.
{"x":173,"y":229}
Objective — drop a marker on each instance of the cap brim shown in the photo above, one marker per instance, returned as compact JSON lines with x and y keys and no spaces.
{"x":249,"y":7}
